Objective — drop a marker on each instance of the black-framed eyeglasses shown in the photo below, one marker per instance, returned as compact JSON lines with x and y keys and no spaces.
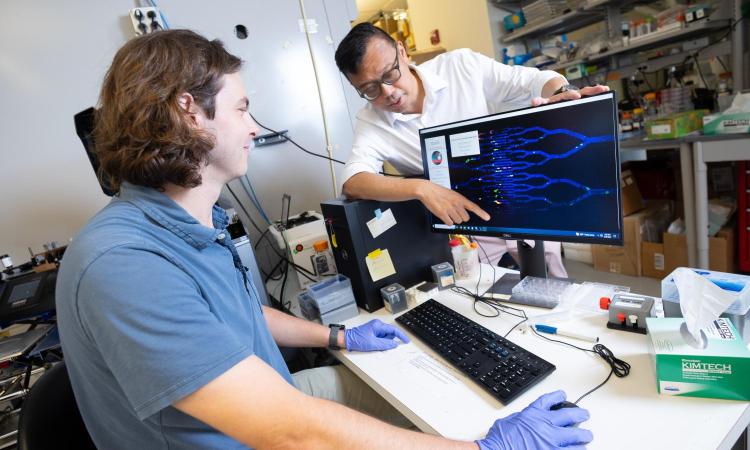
{"x":374,"y":89}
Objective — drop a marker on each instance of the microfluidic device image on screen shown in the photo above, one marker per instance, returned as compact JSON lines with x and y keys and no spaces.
{"x":548,"y":172}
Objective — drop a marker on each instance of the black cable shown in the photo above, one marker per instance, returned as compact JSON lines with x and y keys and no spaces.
{"x":618,"y":367}
{"x":493,"y":304}
{"x":486,"y":256}
{"x":304,"y":271}
{"x":724,"y":66}
{"x":283,"y":285}
{"x":270,"y":275}
{"x":643,"y":75}
{"x":260,"y":239}
{"x":321,"y":155}
{"x":293,"y":142}
{"x":494,"y":280}
{"x":243,"y":209}
{"x":525,"y":318}
{"x":480,"y":274}
{"x":265,"y":234}
{"x":700,"y":72}
{"x":694,"y":56}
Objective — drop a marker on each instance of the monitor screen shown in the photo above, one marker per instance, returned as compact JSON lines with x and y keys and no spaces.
{"x":23,"y":291}
{"x":549,"y":172}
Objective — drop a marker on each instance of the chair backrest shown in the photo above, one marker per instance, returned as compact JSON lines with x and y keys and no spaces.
{"x":49,"y":415}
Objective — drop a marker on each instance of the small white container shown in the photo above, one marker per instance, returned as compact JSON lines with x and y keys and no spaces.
{"x":465,"y":259}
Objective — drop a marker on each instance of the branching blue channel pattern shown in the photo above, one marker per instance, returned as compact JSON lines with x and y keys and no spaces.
{"x":504,"y":173}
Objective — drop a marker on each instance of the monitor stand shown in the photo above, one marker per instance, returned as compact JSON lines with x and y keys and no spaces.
{"x":531,"y":263}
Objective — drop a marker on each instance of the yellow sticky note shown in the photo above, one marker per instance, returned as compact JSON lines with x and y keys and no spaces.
{"x":379,"y":264}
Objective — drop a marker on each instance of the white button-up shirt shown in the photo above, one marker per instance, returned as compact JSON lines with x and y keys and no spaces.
{"x":458,"y":85}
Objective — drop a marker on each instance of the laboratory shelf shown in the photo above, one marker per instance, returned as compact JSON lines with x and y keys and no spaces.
{"x":657,"y":39}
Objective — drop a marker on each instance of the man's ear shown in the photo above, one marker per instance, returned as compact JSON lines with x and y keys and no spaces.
{"x":187,"y":103}
{"x":401,"y":50}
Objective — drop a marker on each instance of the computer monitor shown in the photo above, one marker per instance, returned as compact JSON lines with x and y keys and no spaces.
{"x":549,"y":172}
{"x":27,"y":295}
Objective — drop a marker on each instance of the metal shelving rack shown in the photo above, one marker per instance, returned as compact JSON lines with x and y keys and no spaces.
{"x":667,"y":37}
{"x":619,"y":59}
{"x":586,"y":14}
{"x":569,"y":21}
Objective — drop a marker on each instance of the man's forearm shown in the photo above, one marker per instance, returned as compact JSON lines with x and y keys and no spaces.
{"x":369,"y":186}
{"x":552,"y":85}
{"x":356,"y":430}
{"x":290,"y":331}
{"x":268,"y":412}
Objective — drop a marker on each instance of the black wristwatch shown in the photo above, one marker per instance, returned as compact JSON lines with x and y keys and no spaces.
{"x":333,"y":338}
{"x":565,"y":88}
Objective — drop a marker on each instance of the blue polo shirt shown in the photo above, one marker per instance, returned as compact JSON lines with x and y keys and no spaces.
{"x":151,"y":306}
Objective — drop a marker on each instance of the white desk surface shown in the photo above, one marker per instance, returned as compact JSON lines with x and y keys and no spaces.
{"x":626,"y":412}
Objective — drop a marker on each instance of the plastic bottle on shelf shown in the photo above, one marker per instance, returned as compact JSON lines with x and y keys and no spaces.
{"x":637,"y":119}
{"x":724,"y":95}
{"x":649,"y":105}
{"x":625,"y":27}
{"x":626,"y":124}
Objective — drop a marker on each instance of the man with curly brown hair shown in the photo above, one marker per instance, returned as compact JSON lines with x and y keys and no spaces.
{"x":165,"y":339}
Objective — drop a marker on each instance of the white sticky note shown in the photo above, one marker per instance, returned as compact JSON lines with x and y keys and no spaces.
{"x":379,"y":225}
{"x":379,"y":264}
{"x":465,"y":144}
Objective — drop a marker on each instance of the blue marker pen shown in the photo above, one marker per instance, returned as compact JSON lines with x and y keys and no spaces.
{"x":554,"y":330}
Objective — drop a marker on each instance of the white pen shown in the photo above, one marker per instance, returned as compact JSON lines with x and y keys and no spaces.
{"x":554,"y":330}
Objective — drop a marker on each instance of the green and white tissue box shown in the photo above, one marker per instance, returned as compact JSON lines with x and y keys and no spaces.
{"x":721,"y":369}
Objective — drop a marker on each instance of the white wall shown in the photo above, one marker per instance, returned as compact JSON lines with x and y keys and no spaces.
{"x":53,"y":56}
{"x":462,"y":24}
{"x":51,"y":66}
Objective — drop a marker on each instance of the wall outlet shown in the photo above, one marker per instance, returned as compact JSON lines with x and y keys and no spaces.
{"x":145,"y":20}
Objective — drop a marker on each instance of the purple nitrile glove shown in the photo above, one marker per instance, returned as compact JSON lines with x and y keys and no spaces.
{"x":373,"y":336}
{"x":539,"y":428}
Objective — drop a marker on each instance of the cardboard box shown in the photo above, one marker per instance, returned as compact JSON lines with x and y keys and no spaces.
{"x":653,"y":260}
{"x":631,"y":195}
{"x":720,"y":251}
{"x":718,"y":370}
{"x":675,"y":125}
{"x":578,"y":252}
{"x":624,"y":260}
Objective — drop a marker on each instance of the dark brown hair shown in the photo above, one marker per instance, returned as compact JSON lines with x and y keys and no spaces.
{"x":142,"y":134}
{"x":353,"y":47}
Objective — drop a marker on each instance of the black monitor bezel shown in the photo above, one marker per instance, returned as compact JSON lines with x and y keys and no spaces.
{"x":517,"y":235}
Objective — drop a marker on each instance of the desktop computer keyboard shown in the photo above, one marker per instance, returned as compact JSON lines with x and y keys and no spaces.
{"x":541,"y":292}
{"x":501,"y":367}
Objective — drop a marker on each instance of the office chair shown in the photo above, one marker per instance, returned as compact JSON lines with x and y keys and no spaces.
{"x":49,"y":415}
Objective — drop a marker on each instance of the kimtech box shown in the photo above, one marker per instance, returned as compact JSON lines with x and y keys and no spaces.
{"x":720,"y":369}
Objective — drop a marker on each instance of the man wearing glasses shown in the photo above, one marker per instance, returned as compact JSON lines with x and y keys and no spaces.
{"x":403,"y":98}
